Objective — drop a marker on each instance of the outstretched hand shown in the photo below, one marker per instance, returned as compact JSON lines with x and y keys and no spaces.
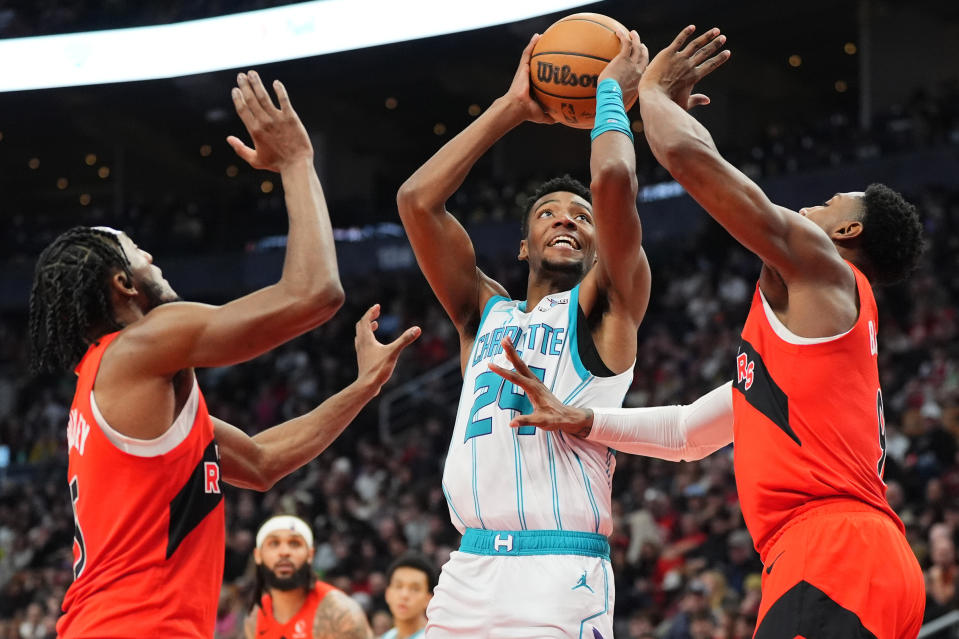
{"x":628,"y":65}
{"x":279,"y":138}
{"x":676,"y":69}
{"x":548,"y":412}
{"x":376,"y":361}
{"x":519,"y":93}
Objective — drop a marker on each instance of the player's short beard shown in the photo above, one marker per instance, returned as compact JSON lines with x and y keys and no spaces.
{"x":154,"y":294}
{"x":568,"y":273}
{"x":302,"y":577}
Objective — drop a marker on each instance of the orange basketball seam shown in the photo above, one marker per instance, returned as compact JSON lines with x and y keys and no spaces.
{"x":565,"y":97}
{"x":586,"y":20}
{"x":572,"y":53}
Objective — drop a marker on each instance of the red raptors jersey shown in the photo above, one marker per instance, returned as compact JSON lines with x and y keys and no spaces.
{"x":300,"y":626}
{"x":808,"y":419}
{"x":149,"y":531}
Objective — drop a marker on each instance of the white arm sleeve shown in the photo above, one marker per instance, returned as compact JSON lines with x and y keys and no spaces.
{"x":673,"y":433}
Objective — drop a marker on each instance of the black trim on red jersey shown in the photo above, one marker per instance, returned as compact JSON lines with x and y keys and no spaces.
{"x":806,"y":611}
{"x":193,"y":503}
{"x":761,"y":390}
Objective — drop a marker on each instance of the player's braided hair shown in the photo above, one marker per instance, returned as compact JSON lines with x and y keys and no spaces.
{"x":562,"y":183}
{"x":891,"y":234}
{"x":70,"y":297}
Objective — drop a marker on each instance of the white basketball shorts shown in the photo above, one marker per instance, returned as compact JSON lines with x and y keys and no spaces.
{"x":526,"y":584}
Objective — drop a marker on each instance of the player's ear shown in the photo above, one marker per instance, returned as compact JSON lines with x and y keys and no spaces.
{"x":847,"y":230}
{"x":309,"y":555}
{"x":523,"y":252}
{"x":258,"y":558}
{"x":123,"y":284}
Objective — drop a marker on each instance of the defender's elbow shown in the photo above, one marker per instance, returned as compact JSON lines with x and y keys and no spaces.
{"x":327,"y":300}
{"x":681,"y":158}
{"x":409,"y":198}
{"x":263,"y":485}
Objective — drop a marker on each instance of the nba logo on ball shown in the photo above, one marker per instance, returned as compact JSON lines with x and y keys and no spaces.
{"x":566,"y":63}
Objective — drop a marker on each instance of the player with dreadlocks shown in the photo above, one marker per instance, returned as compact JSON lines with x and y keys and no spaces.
{"x":145,"y":456}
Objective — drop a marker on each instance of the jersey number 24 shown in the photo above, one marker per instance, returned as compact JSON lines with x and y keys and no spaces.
{"x":507,"y":397}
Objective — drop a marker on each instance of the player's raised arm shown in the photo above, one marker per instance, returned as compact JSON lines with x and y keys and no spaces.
{"x":181,"y":335}
{"x":784,"y":240}
{"x":260,"y":461}
{"x":673,"y":433}
{"x":623,"y":269}
{"x":442,"y":247}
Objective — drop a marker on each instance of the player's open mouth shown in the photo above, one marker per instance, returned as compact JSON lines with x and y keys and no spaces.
{"x":564,"y":240}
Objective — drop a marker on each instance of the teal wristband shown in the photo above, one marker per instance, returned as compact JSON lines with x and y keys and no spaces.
{"x":610,"y":112}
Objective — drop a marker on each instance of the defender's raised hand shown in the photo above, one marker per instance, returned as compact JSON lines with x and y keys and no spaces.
{"x":677,"y":68}
{"x":519,"y":93}
{"x":279,"y":138}
{"x":376,"y":361}
{"x":628,"y":65}
{"x":548,"y":412}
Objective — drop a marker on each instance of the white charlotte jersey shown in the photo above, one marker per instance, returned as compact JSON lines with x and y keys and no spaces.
{"x":501,"y":478}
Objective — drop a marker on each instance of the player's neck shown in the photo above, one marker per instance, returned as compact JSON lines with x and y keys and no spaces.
{"x":409,"y":627}
{"x":286,"y":603}
{"x":541,"y":284}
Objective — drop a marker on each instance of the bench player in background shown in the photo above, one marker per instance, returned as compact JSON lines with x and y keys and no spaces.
{"x":291,"y":603}
{"x":805,"y":407}
{"x":411,"y":580}
{"x":145,"y":457}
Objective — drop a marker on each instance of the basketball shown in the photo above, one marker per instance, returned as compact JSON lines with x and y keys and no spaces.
{"x":566,"y":63}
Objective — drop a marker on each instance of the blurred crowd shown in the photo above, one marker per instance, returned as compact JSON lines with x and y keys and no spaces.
{"x":684,"y":564}
{"x":173,"y":222}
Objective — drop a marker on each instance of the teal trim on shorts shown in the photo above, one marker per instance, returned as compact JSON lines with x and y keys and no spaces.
{"x":524,"y":543}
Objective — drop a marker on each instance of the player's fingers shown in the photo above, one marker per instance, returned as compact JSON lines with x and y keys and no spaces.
{"x":242,"y":108}
{"x":530,"y":420}
{"x":408,"y":337}
{"x":643,"y":54}
{"x":242,"y":150}
{"x":374,"y":325}
{"x":678,"y":41}
{"x":363,"y":324}
{"x":699,"y":42}
{"x":515,"y":359}
{"x":697,"y":99}
{"x":713,"y":63}
{"x":511,"y":376}
{"x":635,"y":46}
{"x":528,"y":51}
{"x":708,"y":50}
{"x":266,"y":102}
{"x":624,"y":43}
{"x":282,"y":97}
{"x":249,"y":97}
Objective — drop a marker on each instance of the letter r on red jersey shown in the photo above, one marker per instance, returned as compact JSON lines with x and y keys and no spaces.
{"x":212,"y":473}
{"x":744,"y":370}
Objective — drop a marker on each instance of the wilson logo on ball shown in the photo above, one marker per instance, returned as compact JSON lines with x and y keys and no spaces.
{"x":564,"y":75}
{"x":565,"y":65}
